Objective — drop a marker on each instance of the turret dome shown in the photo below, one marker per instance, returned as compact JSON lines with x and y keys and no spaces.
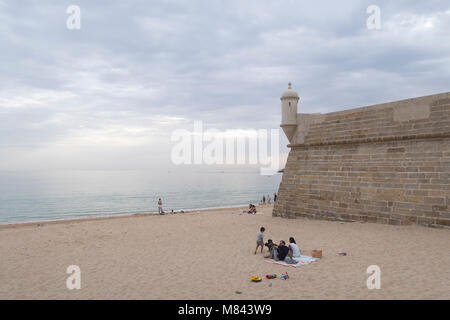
{"x":290,"y":93}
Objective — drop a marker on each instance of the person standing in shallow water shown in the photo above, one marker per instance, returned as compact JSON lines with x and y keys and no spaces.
{"x":264,"y":199}
{"x":160,"y":209}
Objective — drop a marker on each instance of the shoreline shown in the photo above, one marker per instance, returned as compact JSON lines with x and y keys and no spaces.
{"x":15,"y":225}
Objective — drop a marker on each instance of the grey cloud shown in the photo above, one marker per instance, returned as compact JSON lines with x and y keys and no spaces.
{"x":223,"y":62}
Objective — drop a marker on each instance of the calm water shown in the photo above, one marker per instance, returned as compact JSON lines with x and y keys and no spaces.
{"x":39,"y":196}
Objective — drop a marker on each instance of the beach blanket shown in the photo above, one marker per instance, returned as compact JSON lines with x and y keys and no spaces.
{"x":302,"y":260}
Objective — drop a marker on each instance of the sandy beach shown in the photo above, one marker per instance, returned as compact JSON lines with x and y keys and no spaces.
{"x":209,"y":255}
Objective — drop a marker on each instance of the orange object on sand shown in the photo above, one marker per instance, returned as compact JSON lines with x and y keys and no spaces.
{"x":316,"y":254}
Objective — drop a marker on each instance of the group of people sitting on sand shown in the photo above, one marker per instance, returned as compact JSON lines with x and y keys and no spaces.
{"x":278,"y":252}
{"x":251,"y":209}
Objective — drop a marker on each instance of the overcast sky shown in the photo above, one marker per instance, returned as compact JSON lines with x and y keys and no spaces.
{"x":108,"y":96}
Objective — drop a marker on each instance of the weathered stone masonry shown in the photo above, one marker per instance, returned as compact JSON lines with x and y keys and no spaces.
{"x":387,"y":163}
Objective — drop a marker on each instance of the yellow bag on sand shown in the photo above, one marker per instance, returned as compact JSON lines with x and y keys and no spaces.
{"x":255,"y":279}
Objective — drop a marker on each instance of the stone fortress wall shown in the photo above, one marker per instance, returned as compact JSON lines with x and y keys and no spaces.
{"x":387,"y":163}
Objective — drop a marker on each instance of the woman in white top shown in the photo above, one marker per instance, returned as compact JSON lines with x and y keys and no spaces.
{"x":294,"y":248}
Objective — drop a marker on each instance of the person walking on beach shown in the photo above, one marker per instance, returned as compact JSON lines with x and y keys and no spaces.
{"x":264,"y":199}
{"x":160,"y":208}
{"x":275,"y":197}
{"x":268,"y":199}
{"x":260,"y":239}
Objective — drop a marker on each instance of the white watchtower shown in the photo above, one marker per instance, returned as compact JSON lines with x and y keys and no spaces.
{"x":289,"y":102}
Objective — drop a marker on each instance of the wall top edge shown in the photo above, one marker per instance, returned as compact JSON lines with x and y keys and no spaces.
{"x":391,"y":104}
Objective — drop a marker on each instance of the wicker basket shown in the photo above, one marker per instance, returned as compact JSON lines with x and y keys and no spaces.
{"x":316,"y":254}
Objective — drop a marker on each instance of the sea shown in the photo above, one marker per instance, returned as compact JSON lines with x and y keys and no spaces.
{"x":56,"y":195}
